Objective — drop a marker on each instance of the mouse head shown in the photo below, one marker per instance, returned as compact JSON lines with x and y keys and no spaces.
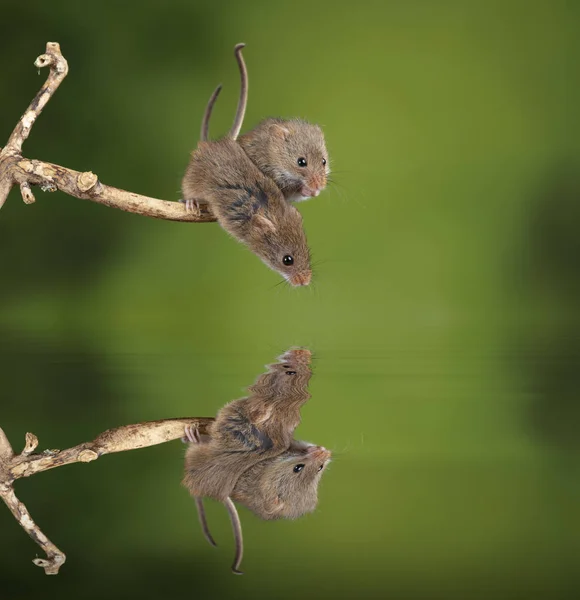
{"x":285,"y":487}
{"x":277,"y":237}
{"x":293,"y":153}
{"x":288,"y":377}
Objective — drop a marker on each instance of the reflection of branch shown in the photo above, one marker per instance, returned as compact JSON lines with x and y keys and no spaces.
{"x":14,"y":170}
{"x":129,"y":437}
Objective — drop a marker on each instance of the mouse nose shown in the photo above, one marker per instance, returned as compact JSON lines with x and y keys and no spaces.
{"x":317,"y":184}
{"x":319,"y":452}
{"x":301,"y":355}
{"x":301,"y":278}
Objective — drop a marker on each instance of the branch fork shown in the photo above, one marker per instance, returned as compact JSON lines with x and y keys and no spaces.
{"x":129,"y":437}
{"x":17,"y":170}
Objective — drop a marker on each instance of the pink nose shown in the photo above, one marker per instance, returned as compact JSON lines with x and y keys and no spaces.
{"x":319,"y":452}
{"x":310,"y":190}
{"x":301,"y":278}
{"x":301,"y":355}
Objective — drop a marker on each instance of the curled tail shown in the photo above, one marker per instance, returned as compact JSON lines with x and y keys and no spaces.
{"x":203,"y":520}
{"x":237,"y":527}
{"x":242,"y":102}
{"x":207,"y":114}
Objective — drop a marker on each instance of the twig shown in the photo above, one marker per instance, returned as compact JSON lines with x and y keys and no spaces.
{"x":54,"y":557}
{"x":16,"y":170}
{"x":128,"y":437}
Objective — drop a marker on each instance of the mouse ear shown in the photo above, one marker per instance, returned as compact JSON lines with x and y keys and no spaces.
{"x":280,"y":131}
{"x":278,"y":505}
{"x":263,"y":223}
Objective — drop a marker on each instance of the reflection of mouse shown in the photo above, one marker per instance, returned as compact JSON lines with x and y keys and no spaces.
{"x":282,"y":487}
{"x":292,"y":152}
{"x":248,"y":205}
{"x":250,"y":429}
{"x":286,"y":486}
{"x":247,"y":431}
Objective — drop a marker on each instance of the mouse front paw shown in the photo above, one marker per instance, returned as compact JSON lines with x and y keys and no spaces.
{"x":192,"y":206}
{"x":192,"y":435}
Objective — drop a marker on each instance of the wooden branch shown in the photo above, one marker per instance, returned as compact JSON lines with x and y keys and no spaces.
{"x":58,"y":71}
{"x":54,"y":557}
{"x":16,"y":170}
{"x":27,"y":463}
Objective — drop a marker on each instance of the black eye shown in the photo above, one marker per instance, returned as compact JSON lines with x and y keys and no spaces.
{"x":290,"y":372}
{"x":288,"y":260}
{"x":321,"y":467}
{"x":302,"y":162}
{"x":324,"y":161}
{"x":298,"y":468}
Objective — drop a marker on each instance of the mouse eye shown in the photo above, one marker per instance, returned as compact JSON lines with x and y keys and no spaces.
{"x":288,"y":260}
{"x":290,"y":372}
{"x":320,"y":467}
{"x":298,"y":468}
{"x":302,"y":162}
{"x":324,"y":161}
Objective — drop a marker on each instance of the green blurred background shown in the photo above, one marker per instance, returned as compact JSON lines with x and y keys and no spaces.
{"x":444,"y":312}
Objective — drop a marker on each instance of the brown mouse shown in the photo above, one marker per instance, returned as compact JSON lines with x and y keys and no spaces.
{"x":247,"y":431}
{"x":285,"y":486}
{"x":282,"y":487}
{"x":248,"y":204}
{"x":292,"y":152}
{"x":250,"y":429}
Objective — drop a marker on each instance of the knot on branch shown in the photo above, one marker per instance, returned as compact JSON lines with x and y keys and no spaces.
{"x":52,"y":58}
{"x":87,"y":181}
{"x":27,"y":194}
{"x":52,"y":565}
{"x":88,"y":455}
{"x":31,"y":442}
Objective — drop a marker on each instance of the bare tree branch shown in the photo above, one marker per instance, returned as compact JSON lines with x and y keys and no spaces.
{"x":16,"y":170}
{"x":128,"y":437}
{"x":58,"y":71}
{"x":54,"y":557}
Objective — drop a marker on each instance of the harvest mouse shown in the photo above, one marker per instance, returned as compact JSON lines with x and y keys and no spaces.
{"x":292,"y":152}
{"x":248,"y":431}
{"x":285,"y":486}
{"x":248,"y":204}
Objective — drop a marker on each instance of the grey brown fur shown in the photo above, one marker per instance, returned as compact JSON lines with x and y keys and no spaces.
{"x":276,"y":145}
{"x":249,"y":206}
{"x":250,"y":456}
{"x":272,"y":489}
{"x":251,"y":429}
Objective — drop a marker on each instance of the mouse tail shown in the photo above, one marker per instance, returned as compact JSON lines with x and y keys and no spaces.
{"x":207,"y":113}
{"x":237,"y":527}
{"x":242,"y":102}
{"x":203,"y":520}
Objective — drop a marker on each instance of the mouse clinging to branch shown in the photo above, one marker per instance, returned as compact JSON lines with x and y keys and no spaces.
{"x":247,"y":203}
{"x":292,"y":152}
{"x":249,"y":455}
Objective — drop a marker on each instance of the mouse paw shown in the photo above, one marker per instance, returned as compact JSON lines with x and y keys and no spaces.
{"x":192,"y":435}
{"x":192,"y":206}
